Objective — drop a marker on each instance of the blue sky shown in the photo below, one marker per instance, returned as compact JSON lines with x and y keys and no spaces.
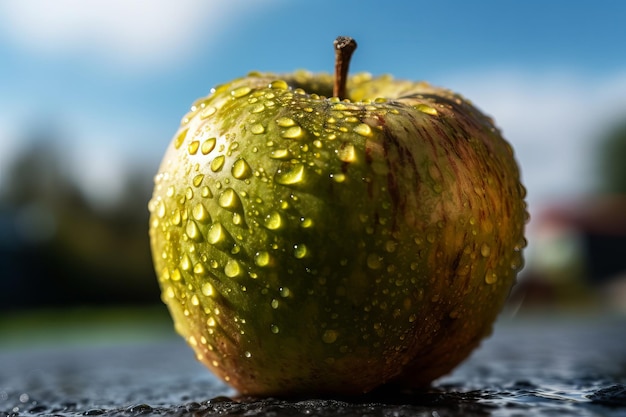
{"x":116,"y":76}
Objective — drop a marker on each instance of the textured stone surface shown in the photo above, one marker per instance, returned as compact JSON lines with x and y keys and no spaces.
{"x":536,"y":367}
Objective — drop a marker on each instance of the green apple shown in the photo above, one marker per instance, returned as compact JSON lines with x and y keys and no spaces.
{"x":312,"y":244}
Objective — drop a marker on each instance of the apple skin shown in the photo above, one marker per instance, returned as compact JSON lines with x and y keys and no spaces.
{"x":310,"y":246}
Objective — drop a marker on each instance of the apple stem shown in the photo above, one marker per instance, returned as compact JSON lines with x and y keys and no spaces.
{"x":344,"y":47}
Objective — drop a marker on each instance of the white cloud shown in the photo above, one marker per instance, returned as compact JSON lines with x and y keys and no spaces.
{"x":127,"y":33}
{"x":553,"y":120}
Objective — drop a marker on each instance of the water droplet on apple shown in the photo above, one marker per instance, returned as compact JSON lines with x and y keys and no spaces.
{"x":217,"y":234}
{"x":491,"y":277}
{"x":199,"y":269}
{"x":391,"y":245}
{"x":257,"y":128}
{"x":280,"y":154}
{"x":247,"y":354}
{"x":306,"y":222}
{"x":197,"y":180}
{"x":207,"y":146}
{"x":485,"y":250}
{"x":205,"y":192}
{"x":279,"y":85}
{"x":330,"y":336}
{"x":284,"y":292}
{"x":208,"y":112}
{"x":300,"y":250}
{"x":195,"y":300}
{"x":176,"y":217}
{"x":346,"y":152}
{"x":292,"y":176}
{"x":241,"y":170}
{"x":262,"y":259}
{"x":294,"y":132}
{"x":229,"y":199}
{"x":232,"y":268}
{"x":185,"y":263}
{"x":273,"y":221}
{"x":363,"y":129}
{"x":274,"y":303}
{"x":160,"y":209}
{"x":180,"y":138}
{"x":285,"y":122}
{"x":240,"y":92}
{"x":374,"y":261}
{"x":425,"y":108}
{"x":218,"y":163}
{"x":193,"y":147}
{"x":200,"y":213}
{"x":193,"y":232}
{"x":274,"y":329}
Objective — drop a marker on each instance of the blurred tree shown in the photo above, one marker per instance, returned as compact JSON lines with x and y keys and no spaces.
{"x":57,"y":249}
{"x":612,"y":166}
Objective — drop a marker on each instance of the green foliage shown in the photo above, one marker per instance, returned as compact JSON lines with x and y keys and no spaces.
{"x":612,"y":160}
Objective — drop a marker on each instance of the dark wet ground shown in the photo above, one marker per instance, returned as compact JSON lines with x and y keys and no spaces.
{"x":573,"y":366}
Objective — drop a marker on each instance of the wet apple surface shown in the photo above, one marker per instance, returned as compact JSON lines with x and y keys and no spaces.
{"x":299,"y":239}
